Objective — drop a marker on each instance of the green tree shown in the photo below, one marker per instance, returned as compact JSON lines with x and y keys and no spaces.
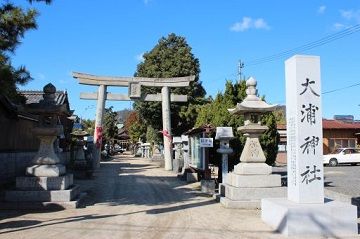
{"x":14,"y":22}
{"x":152,"y":136}
{"x":110,"y":121}
{"x":171,"y":57}
{"x":89,"y":126}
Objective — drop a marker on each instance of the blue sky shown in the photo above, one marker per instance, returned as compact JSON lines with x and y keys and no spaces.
{"x":109,"y":37}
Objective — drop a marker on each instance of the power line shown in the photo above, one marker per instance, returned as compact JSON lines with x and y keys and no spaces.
{"x":339,"y":89}
{"x":308,"y":46}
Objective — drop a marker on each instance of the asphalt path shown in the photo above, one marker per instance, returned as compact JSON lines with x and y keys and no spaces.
{"x":340,"y":182}
{"x":135,"y":198}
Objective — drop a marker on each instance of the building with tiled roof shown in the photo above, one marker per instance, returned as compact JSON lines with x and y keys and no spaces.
{"x":35,"y":96}
{"x":336,"y":134}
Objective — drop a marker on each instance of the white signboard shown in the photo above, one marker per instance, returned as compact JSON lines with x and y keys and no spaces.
{"x":206,"y":142}
{"x":304,"y":130}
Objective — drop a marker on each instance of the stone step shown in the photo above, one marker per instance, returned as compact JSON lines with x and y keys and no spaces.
{"x":253,"y":181}
{"x":245,"y":204}
{"x":43,"y":196}
{"x":44,"y":183}
{"x":239,"y":194}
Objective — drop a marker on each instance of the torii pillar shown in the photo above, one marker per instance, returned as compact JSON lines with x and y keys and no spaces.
{"x":134,"y":84}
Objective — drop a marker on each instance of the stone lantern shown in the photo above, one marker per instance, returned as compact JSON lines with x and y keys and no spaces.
{"x":224,"y":134}
{"x":46,"y":184}
{"x":251,"y":179}
{"x":79,"y":153}
{"x":46,"y":162}
{"x":252,"y":107}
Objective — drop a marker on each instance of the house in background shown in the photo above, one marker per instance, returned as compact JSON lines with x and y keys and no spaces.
{"x":339,"y":132}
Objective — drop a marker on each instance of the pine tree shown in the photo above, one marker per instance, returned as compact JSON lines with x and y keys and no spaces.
{"x":14,"y":22}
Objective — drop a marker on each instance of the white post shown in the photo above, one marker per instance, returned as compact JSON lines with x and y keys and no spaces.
{"x":165,"y":94}
{"x":224,"y":167}
{"x":99,"y":122}
{"x":304,"y":130}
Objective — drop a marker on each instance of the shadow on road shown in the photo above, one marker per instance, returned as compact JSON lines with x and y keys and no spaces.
{"x":22,"y":225}
{"x":180,"y":207}
{"x":124,"y":183}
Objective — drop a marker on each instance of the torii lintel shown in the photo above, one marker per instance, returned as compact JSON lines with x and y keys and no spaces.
{"x":88,"y":79}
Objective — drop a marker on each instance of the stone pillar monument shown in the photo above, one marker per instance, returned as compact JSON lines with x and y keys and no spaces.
{"x":46,"y":184}
{"x":305,"y":212}
{"x":251,"y":179}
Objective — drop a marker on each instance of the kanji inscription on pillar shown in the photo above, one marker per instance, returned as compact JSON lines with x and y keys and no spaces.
{"x":304,"y":129}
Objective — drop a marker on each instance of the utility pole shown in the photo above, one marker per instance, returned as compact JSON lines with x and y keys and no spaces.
{"x":240,"y":67}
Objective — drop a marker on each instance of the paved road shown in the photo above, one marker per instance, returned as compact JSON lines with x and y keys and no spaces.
{"x":134,"y":198}
{"x":341,"y":182}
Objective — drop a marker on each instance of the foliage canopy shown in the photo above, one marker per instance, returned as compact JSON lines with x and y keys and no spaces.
{"x":171,"y":57}
{"x":14,"y":22}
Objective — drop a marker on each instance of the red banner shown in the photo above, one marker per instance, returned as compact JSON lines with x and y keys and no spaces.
{"x":166,"y":134}
{"x":98,"y":136}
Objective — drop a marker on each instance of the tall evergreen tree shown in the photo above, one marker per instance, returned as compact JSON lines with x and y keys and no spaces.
{"x":171,"y":57}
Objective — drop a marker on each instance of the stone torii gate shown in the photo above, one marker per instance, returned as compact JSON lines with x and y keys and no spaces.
{"x":134,"y":84}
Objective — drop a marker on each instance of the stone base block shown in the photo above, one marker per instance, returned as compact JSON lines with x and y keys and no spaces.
{"x":208,"y":186}
{"x":44,"y":183}
{"x":251,"y":204}
{"x":241,"y":194}
{"x":331,"y":219}
{"x":192,"y":177}
{"x":43,"y":196}
{"x":252,"y":168}
{"x":254,"y":181}
{"x":54,"y":170}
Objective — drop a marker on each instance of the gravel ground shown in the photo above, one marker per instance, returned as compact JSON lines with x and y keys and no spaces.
{"x":135,"y":198}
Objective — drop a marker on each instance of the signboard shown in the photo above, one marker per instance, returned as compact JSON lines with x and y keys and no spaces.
{"x":134,"y":90}
{"x":206,"y":142}
{"x":304,"y":130}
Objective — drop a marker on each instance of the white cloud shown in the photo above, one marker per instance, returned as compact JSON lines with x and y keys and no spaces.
{"x":140,"y":57}
{"x":349,"y":18}
{"x":351,"y":15}
{"x":248,"y":23}
{"x":339,"y":26}
{"x":322,"y":9}
{"x":261,"y":24}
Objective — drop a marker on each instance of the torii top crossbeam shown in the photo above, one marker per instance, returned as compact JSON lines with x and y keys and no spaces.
{"x":88,"y":79}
